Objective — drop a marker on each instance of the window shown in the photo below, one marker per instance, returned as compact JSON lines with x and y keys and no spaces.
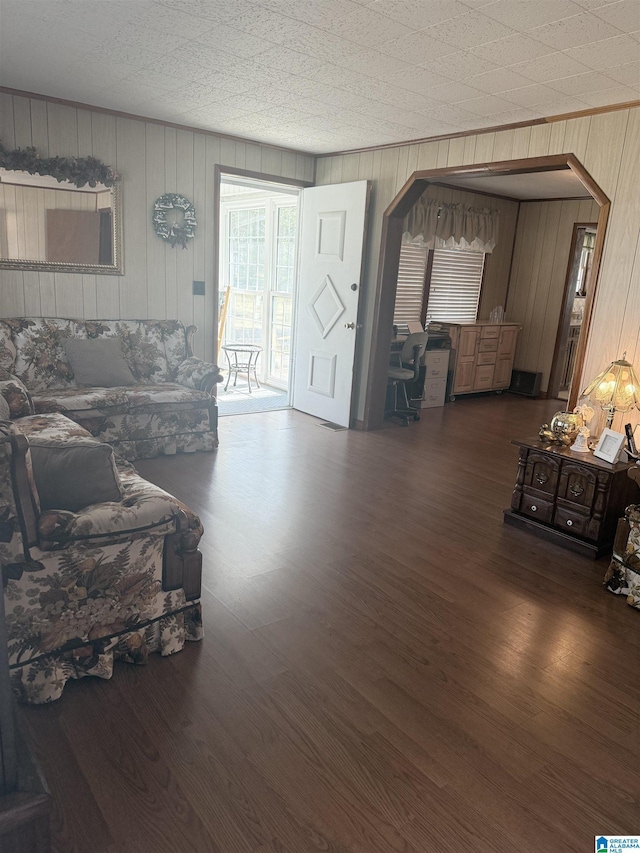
{"x":246,"y":248}
{"x":282,"y":293}
{"x":258,"y":249}
{"x":455,"y":282}
{"x":410,"y":292}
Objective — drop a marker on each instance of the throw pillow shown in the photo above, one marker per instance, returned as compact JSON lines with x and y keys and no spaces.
{"x":98,"y":362}
{"x":16,"y":396}
{"x":72,"y":476}
{"x":5,"y":412}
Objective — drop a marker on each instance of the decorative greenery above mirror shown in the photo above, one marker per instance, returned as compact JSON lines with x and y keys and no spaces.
{"x":60,"y":214}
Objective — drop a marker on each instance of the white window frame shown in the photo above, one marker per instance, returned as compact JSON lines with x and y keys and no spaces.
{"x":272,"y":205}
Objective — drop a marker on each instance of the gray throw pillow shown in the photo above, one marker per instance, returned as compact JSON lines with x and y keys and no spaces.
{"x":72,"y":476}
{"x":98,"y":362}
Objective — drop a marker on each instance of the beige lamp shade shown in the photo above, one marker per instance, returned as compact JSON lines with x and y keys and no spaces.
{"x":616,"y":389}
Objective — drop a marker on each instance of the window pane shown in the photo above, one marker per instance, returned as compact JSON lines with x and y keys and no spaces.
{"x":244,"y":319}
{"x":456,"y":279}
{"x":246,"y":248}
{"x":281,"y":308}
{"x":285,"y":248}
{"x":410,"y":291}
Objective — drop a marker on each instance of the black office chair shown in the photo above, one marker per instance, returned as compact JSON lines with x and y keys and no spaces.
{"x":405,"y":371}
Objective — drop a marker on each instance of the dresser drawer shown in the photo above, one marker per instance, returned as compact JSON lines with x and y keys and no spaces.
{"x":542,"y":473}
{"x":490,"y":332}
{"x":536,"y":508}
{"x":577,"y":485}
{"x":575,"y":523}
{"x":486,"y":358}
{"x":490,"y":345}
{"x":483,"y":379}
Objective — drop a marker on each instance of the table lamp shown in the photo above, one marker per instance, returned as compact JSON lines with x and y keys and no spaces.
{"x":616,"y":389}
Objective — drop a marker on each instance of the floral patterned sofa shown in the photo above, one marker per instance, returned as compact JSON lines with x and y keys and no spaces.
{"x":111,"y":581}
{"x":623,"y":574}
{"x":172,"y":409}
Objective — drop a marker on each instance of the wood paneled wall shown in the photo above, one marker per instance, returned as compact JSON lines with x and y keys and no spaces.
{"x":497,"y":264}
{"x":152,"y":159}
{"x":538,"y":275}
{"x":608,"y":145}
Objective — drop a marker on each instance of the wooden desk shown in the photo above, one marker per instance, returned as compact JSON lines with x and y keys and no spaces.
{"x":570,"y":498}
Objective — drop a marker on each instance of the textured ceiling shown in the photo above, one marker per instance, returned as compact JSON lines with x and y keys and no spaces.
{"x":560,"y":183}
{"x":326,"y":75}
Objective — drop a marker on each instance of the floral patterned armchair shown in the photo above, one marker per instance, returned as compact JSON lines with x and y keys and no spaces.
{"x":111,"y":581}
{"x":623,"y":574}
{"x":172,"y":408}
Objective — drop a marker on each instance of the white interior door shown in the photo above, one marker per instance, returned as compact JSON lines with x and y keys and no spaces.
{"x":331,"y":244}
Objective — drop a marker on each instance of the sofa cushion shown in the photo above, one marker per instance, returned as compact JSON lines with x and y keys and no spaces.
{"x":69,"y":472}
{"x":153,"y":348}
{"x":70,"y":476}
{"x":7,"y":347}
{"x":32,"y":348}
{"x":98,"y":362}
{"x":51,"y":425}
{"x":40,"y":358}
{"x":120,"y":400}
{"x":15,"y":394}
{"x":144,"y":507}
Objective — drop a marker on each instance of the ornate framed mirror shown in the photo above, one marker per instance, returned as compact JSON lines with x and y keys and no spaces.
{"x":52,"y":225}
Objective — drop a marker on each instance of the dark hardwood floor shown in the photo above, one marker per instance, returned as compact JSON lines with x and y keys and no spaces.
{"x":386,"y":666}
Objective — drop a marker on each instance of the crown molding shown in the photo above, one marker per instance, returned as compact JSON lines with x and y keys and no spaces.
{"x":495,"y":129}
{"x":82,"y":106}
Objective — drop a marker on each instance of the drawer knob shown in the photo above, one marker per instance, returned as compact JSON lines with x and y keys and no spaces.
{"x":569,"y":522}
{"x":576,"y":490}
{"x":542,"y":478}
{"x":533,"y":507}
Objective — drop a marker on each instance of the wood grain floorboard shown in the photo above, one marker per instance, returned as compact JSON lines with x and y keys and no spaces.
{"x":387,"y":667}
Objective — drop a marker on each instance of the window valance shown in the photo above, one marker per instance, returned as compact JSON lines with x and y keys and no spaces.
{"x":437,"y":225}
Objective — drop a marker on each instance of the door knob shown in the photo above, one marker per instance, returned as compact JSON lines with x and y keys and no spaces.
{"x":349,"y":325}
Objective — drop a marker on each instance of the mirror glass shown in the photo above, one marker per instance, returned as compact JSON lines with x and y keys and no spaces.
{"x":47,"y":225}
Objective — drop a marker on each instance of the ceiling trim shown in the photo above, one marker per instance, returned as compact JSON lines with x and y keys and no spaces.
{"x":249,"y":141}
{"x":218,"y":134}
{"x":509,"y":197}
{"x":495,"y":129}
{"x":475,"y":191}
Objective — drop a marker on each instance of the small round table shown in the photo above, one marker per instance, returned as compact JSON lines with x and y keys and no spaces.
{"x":248,"y":361}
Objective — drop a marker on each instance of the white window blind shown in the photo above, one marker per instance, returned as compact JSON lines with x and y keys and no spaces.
{"x":409,"y":295}
{"x":456,"y":278}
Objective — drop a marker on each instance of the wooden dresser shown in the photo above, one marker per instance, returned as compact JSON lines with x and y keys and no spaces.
{"x":484,"y":354}
{"x":573,"y":499}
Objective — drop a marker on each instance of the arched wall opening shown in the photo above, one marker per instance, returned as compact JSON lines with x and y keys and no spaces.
{"x":391,"y":240}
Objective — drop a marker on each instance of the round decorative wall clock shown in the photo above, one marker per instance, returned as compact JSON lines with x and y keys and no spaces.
{"x":178,"y":229}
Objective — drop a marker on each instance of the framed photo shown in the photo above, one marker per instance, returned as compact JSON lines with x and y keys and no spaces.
{"x":609,"y":445}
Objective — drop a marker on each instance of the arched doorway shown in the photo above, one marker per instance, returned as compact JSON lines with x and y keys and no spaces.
{"x":392,"y":228}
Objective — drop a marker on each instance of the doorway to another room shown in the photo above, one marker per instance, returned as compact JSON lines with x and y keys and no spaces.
{"x":572,"y":314}
{"x":257,"y":274}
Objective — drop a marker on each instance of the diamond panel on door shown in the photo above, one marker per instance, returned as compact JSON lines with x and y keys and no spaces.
{"x":322,"y":373}
{"x":326,"y":307}
{"x":330,"y":234}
